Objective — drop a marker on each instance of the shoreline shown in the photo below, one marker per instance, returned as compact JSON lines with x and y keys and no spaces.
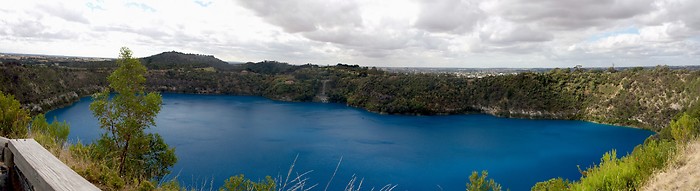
{"x":530,"y":117}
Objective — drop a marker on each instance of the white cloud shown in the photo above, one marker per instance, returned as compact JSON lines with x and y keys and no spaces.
{"x":443,"y":33}
{"x":651,"y":41}
{"x":451,"y":16}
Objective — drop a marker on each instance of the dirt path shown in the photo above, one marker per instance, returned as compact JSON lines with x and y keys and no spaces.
{"x":683,"y":173}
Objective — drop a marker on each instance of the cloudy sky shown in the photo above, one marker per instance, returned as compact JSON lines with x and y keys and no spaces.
{"x":423,"y":33}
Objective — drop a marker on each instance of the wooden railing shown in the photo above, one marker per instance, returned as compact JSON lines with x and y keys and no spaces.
{"x":32,"y":167}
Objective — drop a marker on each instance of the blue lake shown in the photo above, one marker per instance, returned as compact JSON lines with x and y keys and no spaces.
{"x":219,"y":136}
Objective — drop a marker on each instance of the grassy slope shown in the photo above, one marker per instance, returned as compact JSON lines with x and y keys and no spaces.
{"x":682,"y":173}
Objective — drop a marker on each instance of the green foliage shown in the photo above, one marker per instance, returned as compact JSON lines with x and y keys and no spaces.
{"x":39,"y":124}
{"x":146,"y":186}
{"x":13,"y":119}
{"x":49,"y":135}
{"x":479,"y":183}
{"x":157,"y":156}
{"x":124,"y":145}
{"x":172,"y":185}
{"x":629,"y":172}
{"x":85,"y":160}
{"x":685,"y":128}
{"x":554,"y":184}
{"x":240,"y":183}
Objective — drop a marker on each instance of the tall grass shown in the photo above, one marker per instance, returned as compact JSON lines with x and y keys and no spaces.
{"x":292,"y":181}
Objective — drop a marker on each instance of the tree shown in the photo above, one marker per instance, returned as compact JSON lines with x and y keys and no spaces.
{"x":124,"y":116}
{"x":13,"y":119}
{"x":479,"y":183}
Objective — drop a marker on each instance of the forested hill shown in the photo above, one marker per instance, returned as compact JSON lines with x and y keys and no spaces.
{"x":177,"y":59}
{"x":639,"y":97}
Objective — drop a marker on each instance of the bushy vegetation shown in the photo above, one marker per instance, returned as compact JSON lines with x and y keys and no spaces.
{"x":554,"y":184}
{"x":13,"y":118}
{"x":49,"y":135}
{"x":685,"y":128}
{"x":240,"y":183}
{"x":628,"y":172}
{"x":613,"y":173}
{"x":480,"y":183}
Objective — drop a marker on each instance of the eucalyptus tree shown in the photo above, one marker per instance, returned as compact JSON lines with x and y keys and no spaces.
{"x":125,"y":114}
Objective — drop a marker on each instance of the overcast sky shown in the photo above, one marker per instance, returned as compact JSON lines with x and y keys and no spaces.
{"x":429,"y":33}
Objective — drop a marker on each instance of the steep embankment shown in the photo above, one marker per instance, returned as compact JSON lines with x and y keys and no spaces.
{"x":41,"y":88}
{"x":682,"y":173}
{"x":646,"y":98}
{"x":642,"y":98}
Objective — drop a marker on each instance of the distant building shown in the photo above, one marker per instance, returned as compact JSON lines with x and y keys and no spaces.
{"x":578,"y":66}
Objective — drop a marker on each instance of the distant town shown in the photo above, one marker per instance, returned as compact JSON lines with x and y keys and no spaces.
{"x":47,"y":59}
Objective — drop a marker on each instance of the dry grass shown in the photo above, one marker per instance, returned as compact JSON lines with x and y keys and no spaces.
{"x":682,"y":173}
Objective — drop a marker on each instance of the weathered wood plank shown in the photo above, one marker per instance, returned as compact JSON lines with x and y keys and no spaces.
{"x":4,"y":141}
{"x":43,"y":170}
{"x":6,"y":155}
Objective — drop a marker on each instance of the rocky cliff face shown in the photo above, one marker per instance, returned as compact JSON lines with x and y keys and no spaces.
{"x":60,"y":100}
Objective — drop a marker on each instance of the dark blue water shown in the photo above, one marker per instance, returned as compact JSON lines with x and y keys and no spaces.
{"x":219,"y":136}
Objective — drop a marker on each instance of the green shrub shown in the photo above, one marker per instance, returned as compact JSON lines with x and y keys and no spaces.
{"x":110,"y":177}
{"x":240,"y":183}
{"x":146,"y":186}
{"x":629,"y":172}
{"x":13,"y":119}
{"x":172,"y":185}
{"x":685,"y":128}
{"x":554,"y":184}
{"x":52,"y":135}
{"x":479,"y":183}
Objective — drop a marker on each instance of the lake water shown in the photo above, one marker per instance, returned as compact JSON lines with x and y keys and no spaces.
{"x":219,"y":136}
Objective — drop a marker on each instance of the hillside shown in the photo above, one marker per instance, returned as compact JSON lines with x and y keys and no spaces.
{"x":41,"y":88}
{"x":177,"y":59}
{"x":646,"y":98}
